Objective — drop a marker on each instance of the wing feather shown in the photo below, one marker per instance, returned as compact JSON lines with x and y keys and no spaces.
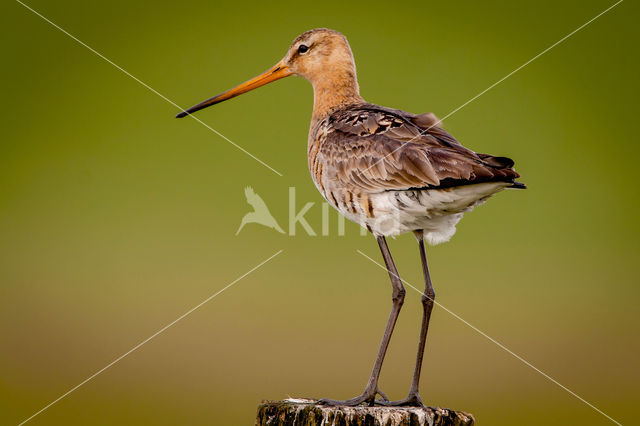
{"x":373,"y":148}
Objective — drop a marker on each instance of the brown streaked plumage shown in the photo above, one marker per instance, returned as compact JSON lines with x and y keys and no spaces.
{"x":388,"y":170}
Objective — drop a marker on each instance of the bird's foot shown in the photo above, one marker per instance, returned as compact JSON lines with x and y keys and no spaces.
{"x":413,"y":400}
{"x":368,"y":397}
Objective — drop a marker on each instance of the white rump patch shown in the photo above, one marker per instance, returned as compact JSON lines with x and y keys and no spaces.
{"x":435,"y":211}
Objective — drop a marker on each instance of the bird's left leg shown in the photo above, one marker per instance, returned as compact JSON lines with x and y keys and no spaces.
{"x":397,"y":299}
{"x":428,"y":297}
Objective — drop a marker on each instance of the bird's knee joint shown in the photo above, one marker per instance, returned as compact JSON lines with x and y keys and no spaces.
{"x":398,"y":295}
{"x":429,"y":296}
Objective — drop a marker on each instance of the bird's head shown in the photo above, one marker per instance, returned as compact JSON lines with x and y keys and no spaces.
{"x":319,"y":55}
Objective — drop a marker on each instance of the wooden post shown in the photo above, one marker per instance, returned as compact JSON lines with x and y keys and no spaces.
{"x":305,"y":412}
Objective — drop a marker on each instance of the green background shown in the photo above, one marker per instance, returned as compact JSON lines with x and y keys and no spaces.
{"x":116,"y":218}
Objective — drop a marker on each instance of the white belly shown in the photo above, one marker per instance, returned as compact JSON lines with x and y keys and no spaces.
{"x":435,"y":211}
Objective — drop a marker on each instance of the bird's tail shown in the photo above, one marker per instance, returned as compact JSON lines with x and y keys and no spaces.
{"x":241,"y":225}
{"x":517,"y":185}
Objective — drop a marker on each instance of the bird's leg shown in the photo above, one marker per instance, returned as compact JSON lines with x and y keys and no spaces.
{"x":397,"y":299}
{"x":428,"y":297}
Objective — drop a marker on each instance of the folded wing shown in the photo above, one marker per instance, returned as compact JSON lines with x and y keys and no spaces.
{"x":378,"y":149}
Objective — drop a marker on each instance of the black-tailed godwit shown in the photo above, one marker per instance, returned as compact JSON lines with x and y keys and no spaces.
{"x":388,"y":170}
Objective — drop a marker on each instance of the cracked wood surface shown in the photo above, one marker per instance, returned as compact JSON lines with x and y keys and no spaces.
{"x":304,"y":412}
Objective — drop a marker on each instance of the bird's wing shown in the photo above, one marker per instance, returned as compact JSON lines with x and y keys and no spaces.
{"x":254,"y":199}
{"x":379,"y":149}
{"x":426,"y":120}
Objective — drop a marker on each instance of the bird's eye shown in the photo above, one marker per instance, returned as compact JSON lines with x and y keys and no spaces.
{"x":303,"y":48}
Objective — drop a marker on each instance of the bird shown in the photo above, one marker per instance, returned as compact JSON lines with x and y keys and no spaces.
{"x":388,"y":170}
{"x":260,"y":213}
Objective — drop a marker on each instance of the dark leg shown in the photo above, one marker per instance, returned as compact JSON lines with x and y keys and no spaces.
{"x":428,"y":297}
{"x":397,"y":299}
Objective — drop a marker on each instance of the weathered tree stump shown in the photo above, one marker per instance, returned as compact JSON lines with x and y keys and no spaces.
{"x":305,"y":412}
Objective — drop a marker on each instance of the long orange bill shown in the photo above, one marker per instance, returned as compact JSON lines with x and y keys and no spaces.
{"x":277,"y":72}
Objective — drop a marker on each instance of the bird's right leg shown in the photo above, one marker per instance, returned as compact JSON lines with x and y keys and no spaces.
{"x":397,"y":299}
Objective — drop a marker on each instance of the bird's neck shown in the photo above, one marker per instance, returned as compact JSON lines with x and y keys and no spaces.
{"x":333,"y":90}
